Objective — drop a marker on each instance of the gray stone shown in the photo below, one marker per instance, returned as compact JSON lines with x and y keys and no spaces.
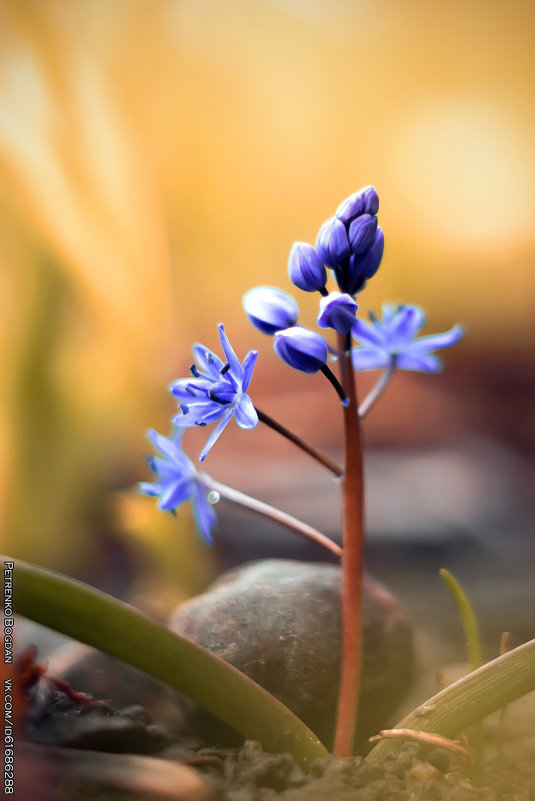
{"x":279,"y":621}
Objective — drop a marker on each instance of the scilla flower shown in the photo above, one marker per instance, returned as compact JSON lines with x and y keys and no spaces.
{"x":177,"y":481}
{"x":217,"y":391}
{"x":305,"y":269}
{"x":337,"y":311}
{"x":301,"y":348}
{"x":270,"y":309}
{"x":393,"y":341}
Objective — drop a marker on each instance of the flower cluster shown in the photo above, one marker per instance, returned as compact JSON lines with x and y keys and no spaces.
{"x":216,"y":391}
{"x":350,"y":244}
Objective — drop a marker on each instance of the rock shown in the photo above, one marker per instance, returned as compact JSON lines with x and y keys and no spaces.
{"x":279,"y":622}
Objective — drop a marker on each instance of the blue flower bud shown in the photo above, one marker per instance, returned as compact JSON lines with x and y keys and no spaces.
{"x":371,"y":200}
{"x":301,"y":348}
{"x":270,"y":309}
{"x":305,"y":269}
{"x":332,"y":244}
{"x":337,"y":311}
{"x":365,"y":201}
{"x":365,"y":265}
{"x":362,"y":233}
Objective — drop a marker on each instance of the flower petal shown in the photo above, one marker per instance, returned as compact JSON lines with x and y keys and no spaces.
{"x":199,"y":415}
{"x":406,"y":324}
{"x":248,"y":367}
{"x":187,"y":390}
{"x":149,"y":489}
{"x":232,"y":359}
{"x":435,"y":341}
{"x":205,"y":516}
{"x":425,"y":363}
{"x":163,"y":444}
{"x":366,"y":334}
{"x":369,"y":358}
{"x":207,"y":361}
{"x":389,"y":313}
{"x":216,"y":433}
{"x":175,"y":494}
{"x":246,"y":415}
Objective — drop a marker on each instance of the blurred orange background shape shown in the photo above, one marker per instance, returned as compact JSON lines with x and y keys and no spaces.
{"x":159,"y":159}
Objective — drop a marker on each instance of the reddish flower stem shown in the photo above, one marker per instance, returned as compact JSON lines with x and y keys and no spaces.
{"x":352,"y":561}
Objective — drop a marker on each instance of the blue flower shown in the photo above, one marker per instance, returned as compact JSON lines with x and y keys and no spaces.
{"x":217,"y":391}
{"x":301,"y":348}
{"x":270,"y":309}
{"x":305,"y":269}
{"x":337,"y":311}
{"x":393,"y":340}
{"x":332,"y":244}
{"x":178,"y":481}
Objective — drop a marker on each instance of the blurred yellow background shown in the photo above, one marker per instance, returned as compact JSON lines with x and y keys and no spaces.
{"x":157,"y":159}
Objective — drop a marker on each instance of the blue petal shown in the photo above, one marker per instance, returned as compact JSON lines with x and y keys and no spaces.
{"x":332,"y":245}
{"x":246,"y":415}
{"x":198,"y":415}
{"x":367,"y":334}
{"x":370,"y":261}
{"x":216,"y":433}
{"x":222,"y":392}
{"x":175,"y":494}
{"x":369,"y":358}
{"x":149,"y":489}
{"x":248,"y":367}
{"x":205,"y":516}
{"x":424,"y":363}
{"x":207,"y":361}
{"x":435,"y":341}
{"x":169,"y":468}
{"x":408,"y":322}
{"x":187,"y":390}
{"x":163,"y":444}
{"x":362,"y":233}
{"x":389,"y":312}
{"x":232,"y":359}
{"x":351,"y":207}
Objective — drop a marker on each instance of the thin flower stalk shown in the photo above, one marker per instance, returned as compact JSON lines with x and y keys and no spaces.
{"x":304,"y":446}
{"x":352,"y":560}
{"x":265,"y":510}
{"x":373,"y":396}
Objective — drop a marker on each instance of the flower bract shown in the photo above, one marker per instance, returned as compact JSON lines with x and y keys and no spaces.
{"x":217,"y":391}
{"x":177,"y":481}
{"x":270,"y":309}
{"x":394,"y":341}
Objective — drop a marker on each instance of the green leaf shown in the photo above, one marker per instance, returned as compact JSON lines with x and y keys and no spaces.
{"x":470,"y":699}
{"x":118,"y":629}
